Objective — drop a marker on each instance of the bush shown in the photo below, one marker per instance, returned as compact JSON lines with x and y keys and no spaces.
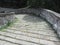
{"x":49,"y":4}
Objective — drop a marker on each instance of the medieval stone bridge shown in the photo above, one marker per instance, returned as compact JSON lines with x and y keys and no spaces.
{"x":29,"y":30}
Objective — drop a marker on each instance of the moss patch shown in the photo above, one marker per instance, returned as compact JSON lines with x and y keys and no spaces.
{"x":8,"y":24}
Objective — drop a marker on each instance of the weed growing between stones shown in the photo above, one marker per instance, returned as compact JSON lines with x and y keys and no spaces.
{"x":9,"y":24}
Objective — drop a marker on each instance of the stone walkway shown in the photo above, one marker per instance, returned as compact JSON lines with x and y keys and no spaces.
{"x":29,"y":30}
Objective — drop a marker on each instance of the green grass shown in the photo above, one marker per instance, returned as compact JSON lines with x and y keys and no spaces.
{"x":9,"y":24}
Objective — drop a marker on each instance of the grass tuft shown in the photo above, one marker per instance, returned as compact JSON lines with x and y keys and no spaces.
{"x":8,"y":24}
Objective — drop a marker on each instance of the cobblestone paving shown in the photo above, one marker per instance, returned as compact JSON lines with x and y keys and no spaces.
{"x":29,"y":30}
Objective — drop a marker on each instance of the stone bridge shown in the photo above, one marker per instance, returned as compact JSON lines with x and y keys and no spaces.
{"x":29,"y":30}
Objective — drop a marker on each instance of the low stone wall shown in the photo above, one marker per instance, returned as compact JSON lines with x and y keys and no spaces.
{"x":6,"y":18}
{"x":53,"y":18}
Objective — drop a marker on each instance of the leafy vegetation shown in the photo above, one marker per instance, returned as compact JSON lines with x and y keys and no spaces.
{"x":48,"y":4}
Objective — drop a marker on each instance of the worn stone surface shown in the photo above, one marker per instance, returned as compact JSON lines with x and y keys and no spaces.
{"x":29,"y":30}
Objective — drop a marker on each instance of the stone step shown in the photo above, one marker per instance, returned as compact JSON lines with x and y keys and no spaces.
{"x":33,"y":24}
{"x":6,"y":43}
{"x":9,"y":37}
{"x":15,"y":41}
{"x":33,"y":35}
{"x":33,"y":29}
{"x":48,"y":42}
{"x":22,"y":37}
{"x":35,"y":32}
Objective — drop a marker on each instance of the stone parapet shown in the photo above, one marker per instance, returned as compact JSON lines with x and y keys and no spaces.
{"x":6,"y":17}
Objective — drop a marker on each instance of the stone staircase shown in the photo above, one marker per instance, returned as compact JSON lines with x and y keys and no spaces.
{"x":29,"y":30}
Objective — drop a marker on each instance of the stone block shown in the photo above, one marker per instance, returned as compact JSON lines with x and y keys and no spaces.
{"x":53,"y":18}
{"x":6,"y":17}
